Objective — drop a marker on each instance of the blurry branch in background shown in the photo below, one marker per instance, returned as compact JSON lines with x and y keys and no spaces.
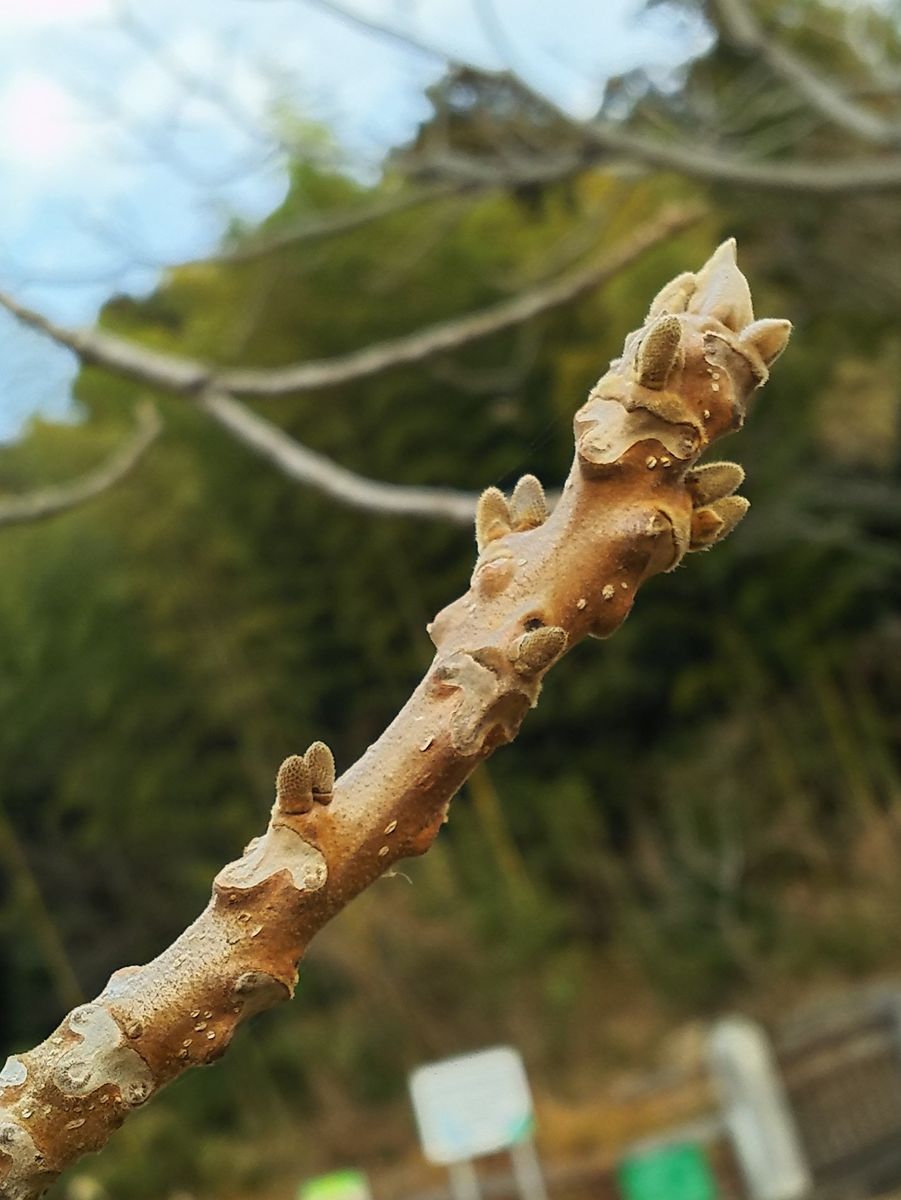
{"x":175,"y":373}
{"x":48,"y":501}
{"x":884,"y":73}
{"x":850,"y":176}
{"x":315,"y":470}
{"x":597,"y":138}
{"x":313,"y":229}
{"x":740,"y":26}
{"x":214,"y":392}
{"x":458,"y":332}
{"x":484,"y":381}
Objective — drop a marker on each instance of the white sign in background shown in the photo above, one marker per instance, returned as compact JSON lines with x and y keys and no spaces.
{"x":472,"y":1105}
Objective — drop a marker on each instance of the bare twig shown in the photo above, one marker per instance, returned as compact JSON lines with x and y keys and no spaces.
{"x":175,"y":373}
{"x":170,"y":372}
{"x":633,"y":504}
{"x":216,"y":395}
{"x":47,"y":502}
{"x":459,"y":331}
{"x":305,"y":466}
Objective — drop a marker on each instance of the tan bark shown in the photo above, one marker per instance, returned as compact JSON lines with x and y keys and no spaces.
{"x":631,"y":507}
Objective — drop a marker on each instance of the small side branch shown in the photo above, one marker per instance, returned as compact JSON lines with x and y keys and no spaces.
{"x":47,"y":502}
{"x":305,"y":466}
{"x":447,"y":336}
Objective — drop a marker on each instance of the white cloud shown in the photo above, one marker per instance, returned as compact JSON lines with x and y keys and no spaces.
{"x":24,"y":14}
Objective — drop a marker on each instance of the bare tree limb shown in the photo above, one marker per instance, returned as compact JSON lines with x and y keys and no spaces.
{"x":741,"y":26}
{"x":633,"y":504}
{"x":459,"y":331}
{"x":217,"y":397}
{"x":170,"y":372}
{"x":840,"y":177}
{"x":843,"y":177}
{"x":47,"y":502}
{"x":174,"y":373}
{"x":305,"y":466}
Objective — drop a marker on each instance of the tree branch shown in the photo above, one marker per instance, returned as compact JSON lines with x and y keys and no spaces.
{"x":175,"y":373}
{"x":844,"y":177}
{"x":170,"y":372}
{"x":841,"y":177}
{"x":317,"y":228}
{"x":741,"y":27}
{"x":48,"y":501}
{"x":633,"y":504}
{"x":460,"y":331}
{"x":305,"y":466}
{"x":290,"y":456}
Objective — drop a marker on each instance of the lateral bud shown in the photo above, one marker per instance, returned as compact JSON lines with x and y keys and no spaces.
{"x":716,"y":521}
{"x":674,"y":296}
{"x":659,"y":352}
{"x":528,"y":505}
{"x":730,"y":510}
{"x":762,"y":342}
{"x":713,"y":481}
{"x":293,"y":790}
{"x":321,"y":765}
{"x":538,"y":648}
{"x":493,"y":519}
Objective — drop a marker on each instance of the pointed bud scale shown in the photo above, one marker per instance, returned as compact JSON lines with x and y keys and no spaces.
{"x":768,"y":337}
{"x":713,"y":481}
{"x":706,"y":527}
{"x":321,"y":765}
{"x":658,"y":352}
{"x":722,"y":290}
{"x":293,"y":792}
{"x":529,"y":507}
{"x":538,"y":649}
{"x":492,"y":517}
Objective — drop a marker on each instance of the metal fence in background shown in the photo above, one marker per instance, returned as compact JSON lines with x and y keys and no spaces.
{"x":842,"y":1079}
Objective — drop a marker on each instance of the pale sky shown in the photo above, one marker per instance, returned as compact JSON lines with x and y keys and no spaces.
{"x":131,"y":134}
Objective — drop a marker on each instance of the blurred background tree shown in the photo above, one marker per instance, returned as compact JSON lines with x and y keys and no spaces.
{"x":705,"y":812}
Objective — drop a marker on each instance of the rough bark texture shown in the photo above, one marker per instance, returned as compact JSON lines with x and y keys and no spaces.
{"x":632,"y":506}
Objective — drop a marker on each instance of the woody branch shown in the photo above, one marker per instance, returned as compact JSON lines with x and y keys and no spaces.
{"x":633,"y":504}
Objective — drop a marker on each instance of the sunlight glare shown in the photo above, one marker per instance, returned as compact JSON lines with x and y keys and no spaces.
{"x":39,"y":126}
